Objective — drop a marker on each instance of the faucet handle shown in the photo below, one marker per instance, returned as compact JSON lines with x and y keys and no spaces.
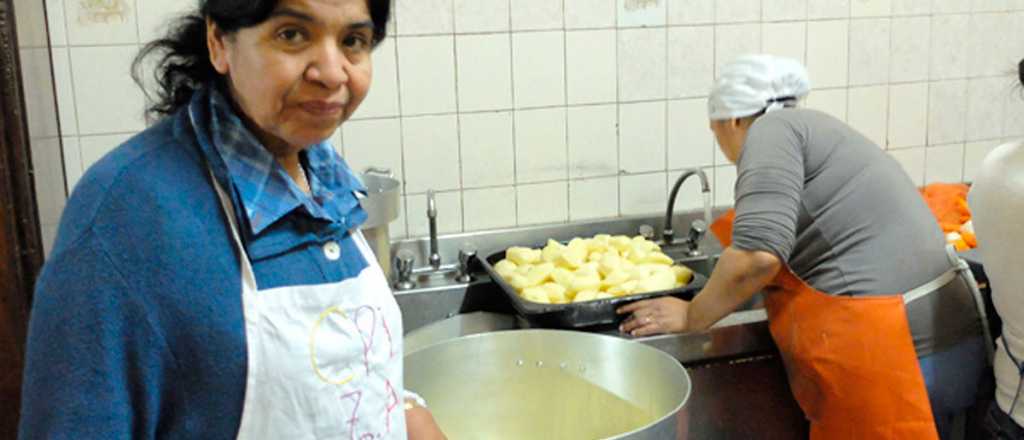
{"x":646,"y":231}
{"x":697,"y":230}
{"x":403,"y":267}
{"x":466,"y":254}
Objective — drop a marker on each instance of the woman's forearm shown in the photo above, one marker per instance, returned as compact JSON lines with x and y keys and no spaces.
{"x":738,"y":275}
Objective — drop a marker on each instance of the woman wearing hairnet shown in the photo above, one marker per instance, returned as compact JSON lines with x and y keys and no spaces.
{"x":833,"y":231}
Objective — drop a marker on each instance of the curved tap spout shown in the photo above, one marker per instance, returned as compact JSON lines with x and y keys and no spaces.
{"x":668,"y":234}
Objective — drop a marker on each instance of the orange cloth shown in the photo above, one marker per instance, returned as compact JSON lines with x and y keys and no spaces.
{"x":948,"y":202}
{"x":850,"y":360}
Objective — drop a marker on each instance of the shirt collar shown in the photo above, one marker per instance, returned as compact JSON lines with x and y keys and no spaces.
{"x":266,"y":191}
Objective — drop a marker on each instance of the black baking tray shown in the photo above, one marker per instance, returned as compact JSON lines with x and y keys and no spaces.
{"x":586,"y":314}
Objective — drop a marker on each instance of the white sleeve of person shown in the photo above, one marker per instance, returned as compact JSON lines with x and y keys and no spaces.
{"x":753,"y":84}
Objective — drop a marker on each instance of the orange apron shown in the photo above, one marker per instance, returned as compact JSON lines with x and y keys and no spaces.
{"x":850,"y":360}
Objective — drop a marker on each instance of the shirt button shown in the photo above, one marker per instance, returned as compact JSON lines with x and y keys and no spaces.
{"x":332,"y":250}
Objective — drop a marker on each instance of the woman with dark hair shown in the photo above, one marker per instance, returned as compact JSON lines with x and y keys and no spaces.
{"x":208,"y":279}
{"x":997,"y":201}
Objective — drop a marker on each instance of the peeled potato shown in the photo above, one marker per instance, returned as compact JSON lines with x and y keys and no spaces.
{"x":626,"y":288}
{"x":610,"y":263}
{"x":505,"y":268}
{"x":556,"y":293}
{"x":657,"y":257}
{"x":683,"y":274}
{"x":522,"y":255}
{"x":552,"y":251}
{"x":615,"y":278}
{"x":572,"y":258}
{"x":585,"y":282}
{"x":536,"y":294}
{"x":585,"y":295}
{"x":562,"y":276}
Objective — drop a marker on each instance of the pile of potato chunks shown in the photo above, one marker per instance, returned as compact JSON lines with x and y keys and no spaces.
{"x":586,"y":269}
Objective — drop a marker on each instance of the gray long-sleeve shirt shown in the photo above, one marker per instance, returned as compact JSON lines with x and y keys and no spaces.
{"x":845,"y":217}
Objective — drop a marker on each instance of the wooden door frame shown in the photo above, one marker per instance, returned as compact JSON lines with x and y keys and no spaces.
{"x":21,"y":249}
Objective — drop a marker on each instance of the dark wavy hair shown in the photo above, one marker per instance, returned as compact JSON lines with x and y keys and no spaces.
{"x":183,"y":60}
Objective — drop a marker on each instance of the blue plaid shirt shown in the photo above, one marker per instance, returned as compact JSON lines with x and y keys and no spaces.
{"x":267,"y":191}
{"x":280,"y":216}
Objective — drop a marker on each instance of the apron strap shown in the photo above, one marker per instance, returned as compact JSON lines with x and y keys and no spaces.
{"x":961,"y":269}
{"x":248,"y":276}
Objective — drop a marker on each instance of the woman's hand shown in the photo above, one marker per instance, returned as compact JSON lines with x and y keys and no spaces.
{"x":654,"y":316}
{"x":420,"y":424}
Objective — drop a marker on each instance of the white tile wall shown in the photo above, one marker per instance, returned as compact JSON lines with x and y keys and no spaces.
{"x":867,"y":112}
{"x":828,"y":9}
{"x":484,"y":71}
{"x":831,"y":101}
{"x":525,"y":111}
{"x":541,"y":150}
{"x":642,"y":137}
{"x":734,"y":11}
{"x":590,"y":66}
{"x":543,"y":203}
{"x":536,"y":14}
{"x":910,"y":39}
{"x":481,"y":16}
{"x":490,"y":208}
{"x":949,"y":46}
{"x":590,"y":14}
{"x":374,"y":142}
{"x":538,"y":66}
{"x":593,"y":198}
{"x":691,"y":11}
{"x":780,"y":10}
{"x":427,"y":61}
{"x":92,"y":23}
{"x":418,"y":17}
{"x":828,"y":52}
{"x":642,"y":193}
{"x":639,"y":13}
{"x":947,"y":111}
{"x":913,"y":162}
{"x":908,"y":114}
{"x":690,"y":142}
{"x":944,"y":163}
{"x":786,"y":39}
{"x":642,"y":62}
{"x":870,"y":8}
{"x":431,"y":153}
{"x":382,"y":99}
{"x":732,"y":41}
{"x":691,"y":60}
{"x":869,"y":51}
{"x":488,"y":156}
{"x":593,"y":141}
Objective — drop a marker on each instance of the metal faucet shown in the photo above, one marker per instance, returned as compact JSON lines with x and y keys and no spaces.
{"x":697,"y":228}
{"x":435,"y":256}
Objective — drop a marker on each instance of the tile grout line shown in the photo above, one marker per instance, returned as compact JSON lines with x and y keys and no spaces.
{"x":515,"y":116}
{"x":458,"y":117}
{"x":565,"y":101}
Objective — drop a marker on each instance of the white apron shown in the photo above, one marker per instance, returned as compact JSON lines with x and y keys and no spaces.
{"x":325,"y":361}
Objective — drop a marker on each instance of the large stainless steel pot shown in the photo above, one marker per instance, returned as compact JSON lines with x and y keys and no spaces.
{"x":383,"y":194}
{"x":549,"y":384}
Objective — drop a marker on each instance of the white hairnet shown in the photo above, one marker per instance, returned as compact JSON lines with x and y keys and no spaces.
{"x":755,"y":83}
